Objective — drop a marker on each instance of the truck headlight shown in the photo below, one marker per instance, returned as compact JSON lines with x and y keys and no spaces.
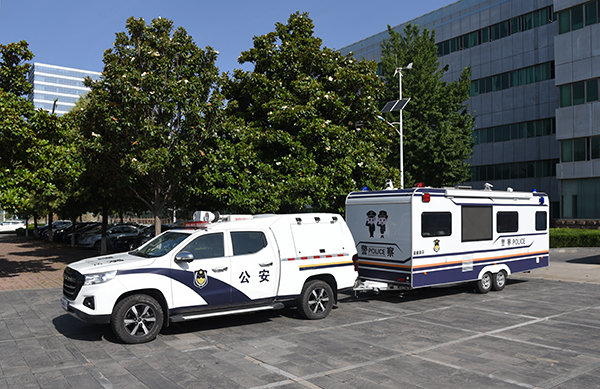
{"x":99,"y":278}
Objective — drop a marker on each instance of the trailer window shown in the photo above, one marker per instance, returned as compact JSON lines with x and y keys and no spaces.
{"x":507,"y":221}
{"x":476,"y":223}
{"x":436,"y":224}
{"x":249,"y":242}
{"x":540,"y":221}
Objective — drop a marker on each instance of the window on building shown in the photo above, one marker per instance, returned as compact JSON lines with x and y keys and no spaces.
{"x":566,"y":150}
{"x":565,"y":95}
{"x":544,"y":16}
{"x":436,"y":224}
{"x":528,"y":21}
{"x":515,"y":25}
{"x":579,"y":149}
{"x":595,"y":147}
{"x":564,"y":22}
{"x":485,"y":35}
{"x":530,"y":129}
{"x":476,"y":223}
{"x":591,"y":13}
{"x":579,"y":93}
{"x":507,"y":222}
{"x":576,"y":17}
{"x":592,"y":90}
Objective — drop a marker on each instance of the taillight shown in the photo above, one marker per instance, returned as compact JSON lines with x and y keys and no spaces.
{"x":426,"y":197}
{"x":355,"y":261}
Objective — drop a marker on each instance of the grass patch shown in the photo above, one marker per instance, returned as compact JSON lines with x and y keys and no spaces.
{"x":574,"y":237}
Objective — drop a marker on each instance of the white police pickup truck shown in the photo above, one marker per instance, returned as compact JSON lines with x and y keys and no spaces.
{"x":265,"y":262}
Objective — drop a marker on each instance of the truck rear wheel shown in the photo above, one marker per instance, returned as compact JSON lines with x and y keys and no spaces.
{"x":137,"y":319}
{"x":484,"y":285}
{"x":316,"y":300}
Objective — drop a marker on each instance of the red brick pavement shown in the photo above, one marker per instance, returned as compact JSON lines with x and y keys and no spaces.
{"x":29,"y":263}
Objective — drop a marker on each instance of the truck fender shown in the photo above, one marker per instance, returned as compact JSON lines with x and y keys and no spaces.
{"x":494,"y":269}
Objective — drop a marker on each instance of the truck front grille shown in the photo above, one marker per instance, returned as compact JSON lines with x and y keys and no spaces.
{"x":72,"y":283}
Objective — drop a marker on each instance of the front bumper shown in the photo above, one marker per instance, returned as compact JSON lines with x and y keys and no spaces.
{"x":94,"y":319}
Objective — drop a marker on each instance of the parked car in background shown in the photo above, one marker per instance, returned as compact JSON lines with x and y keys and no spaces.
{"x":11,"y":226}
{"x":79,"y":229}
{"x":42,"y":231}
{"x":124,"y":243}
{"x":93,"y":237}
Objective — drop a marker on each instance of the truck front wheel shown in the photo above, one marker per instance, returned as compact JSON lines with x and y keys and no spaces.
{"x":316,"y":300}
{"x":137,"y":319}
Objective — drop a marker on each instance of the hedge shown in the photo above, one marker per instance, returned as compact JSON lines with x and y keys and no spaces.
{"x":571,"y":237}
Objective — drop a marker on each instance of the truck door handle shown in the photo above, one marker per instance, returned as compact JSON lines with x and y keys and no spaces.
{"x":220,"y":269}
{"x":265,"y":264}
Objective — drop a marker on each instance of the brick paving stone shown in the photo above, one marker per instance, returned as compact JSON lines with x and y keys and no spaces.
{"x":29,"y":263}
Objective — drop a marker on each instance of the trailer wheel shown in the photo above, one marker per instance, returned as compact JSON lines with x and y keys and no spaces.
{"x":137,"y":319}
{"x":499,"y":280}
{"x":316,"y":300}
{"x":484,"y":285}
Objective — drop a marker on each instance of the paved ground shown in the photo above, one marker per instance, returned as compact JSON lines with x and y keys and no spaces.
{"x":540,"y":332}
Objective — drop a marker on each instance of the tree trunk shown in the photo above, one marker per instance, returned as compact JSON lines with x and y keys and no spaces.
{"x":50,"y":216}
{"x":103,"y":245}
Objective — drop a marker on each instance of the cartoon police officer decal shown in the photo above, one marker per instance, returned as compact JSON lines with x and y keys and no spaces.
{"x":200,"y":278}
{"x":371,"y":222}
{"x":381,"y":220}
{"x":436,"y":245}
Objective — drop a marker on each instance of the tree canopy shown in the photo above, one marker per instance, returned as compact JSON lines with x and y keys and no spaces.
{"x":307,"y":131}
{"x":436,"y":124}
{"x":151,"y":110}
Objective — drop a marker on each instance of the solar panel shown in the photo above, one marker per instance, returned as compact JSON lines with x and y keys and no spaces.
{"x":395,"y":105}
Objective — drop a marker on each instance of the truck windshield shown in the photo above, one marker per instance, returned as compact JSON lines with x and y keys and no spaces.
{"x":161,"y":245}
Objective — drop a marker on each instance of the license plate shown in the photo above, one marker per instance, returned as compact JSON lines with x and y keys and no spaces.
{"x":64,"y":303}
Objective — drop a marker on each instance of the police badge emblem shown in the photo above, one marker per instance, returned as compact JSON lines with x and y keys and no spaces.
{"x":436,"y":245}
{"x":200,"y":278}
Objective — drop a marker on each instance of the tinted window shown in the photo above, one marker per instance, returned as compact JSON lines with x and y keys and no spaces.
{"x":161,"y":245}
{"x":206,"y":246}
{"x":248,"y":242}
{"x":476,"y":223}
{"x":540,"y":221}
{"x":507,"y":222}
{"x":436,"y":224}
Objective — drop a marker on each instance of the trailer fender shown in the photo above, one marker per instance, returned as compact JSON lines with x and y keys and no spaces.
{"x":494,"y":269}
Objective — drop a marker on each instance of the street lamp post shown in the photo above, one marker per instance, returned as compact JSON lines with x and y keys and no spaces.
{"x":398,"y":105}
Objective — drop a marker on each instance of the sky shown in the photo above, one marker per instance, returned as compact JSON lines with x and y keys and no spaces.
{"x":75,"y":33}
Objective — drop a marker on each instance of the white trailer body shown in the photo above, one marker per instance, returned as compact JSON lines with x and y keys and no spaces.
{"x":421,"y":237}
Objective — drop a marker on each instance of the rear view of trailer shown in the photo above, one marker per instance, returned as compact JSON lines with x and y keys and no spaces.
{"x":422,"y":237}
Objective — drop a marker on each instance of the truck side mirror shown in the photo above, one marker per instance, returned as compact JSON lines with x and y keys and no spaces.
{"x":184,"y":256}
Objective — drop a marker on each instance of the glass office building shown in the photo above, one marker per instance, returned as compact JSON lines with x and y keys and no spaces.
{"x":534,"y":93}
{"x":57,"y":83}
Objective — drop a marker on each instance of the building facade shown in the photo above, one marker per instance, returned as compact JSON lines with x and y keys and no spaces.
{"x":534,"y":93}
{"x":58,"y":84}
{"x":577,"y":62}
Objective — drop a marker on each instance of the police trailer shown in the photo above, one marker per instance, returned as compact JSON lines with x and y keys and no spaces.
{"x":421,"y":237}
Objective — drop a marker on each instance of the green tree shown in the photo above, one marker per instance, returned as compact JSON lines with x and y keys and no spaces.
{"x":15,"y":131}
{"x":303,"y":128}
{"x":151,"y":110}
{"x":436,"y":124}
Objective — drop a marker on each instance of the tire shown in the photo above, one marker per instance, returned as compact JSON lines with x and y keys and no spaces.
{"x":137,"y":319}
{"x":316,"y":300}
{"x":484,"y":285}
{"x":97,"y":245}
{"x":499,"y":281}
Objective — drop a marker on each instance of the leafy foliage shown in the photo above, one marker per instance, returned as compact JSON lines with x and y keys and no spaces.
{"x":151,"y":110}
{"x":304,"y":128}
{"x":436,"y":125}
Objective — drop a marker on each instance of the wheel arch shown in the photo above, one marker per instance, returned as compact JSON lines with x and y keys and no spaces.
{"x":328,"y":278}
{"x":493,"y":269}
{"x":155,"y":294}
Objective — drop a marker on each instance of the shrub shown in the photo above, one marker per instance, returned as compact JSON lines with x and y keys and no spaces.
{"x":570,"y":237}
